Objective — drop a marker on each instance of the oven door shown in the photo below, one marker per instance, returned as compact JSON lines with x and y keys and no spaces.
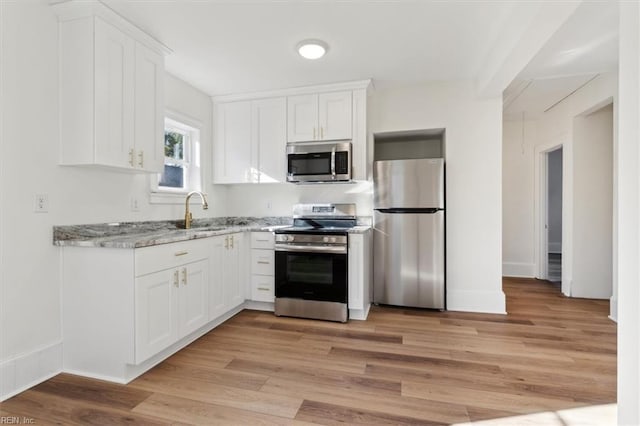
{"x":311,"y":276}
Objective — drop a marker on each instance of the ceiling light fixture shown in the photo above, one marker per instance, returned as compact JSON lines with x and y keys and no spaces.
{"x":312,"y":49}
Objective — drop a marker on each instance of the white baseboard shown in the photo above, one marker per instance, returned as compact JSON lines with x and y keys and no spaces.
{"x":22,"y":372}
{"x":555,"y":247}
{"x":488,"y":302}
{"x":518,"y":270}
{"x":360,"y":314}
{"x":259,"y":306}
{"x":613,"y":309}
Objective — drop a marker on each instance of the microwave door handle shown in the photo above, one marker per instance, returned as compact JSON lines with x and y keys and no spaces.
{"x":333,"y":162}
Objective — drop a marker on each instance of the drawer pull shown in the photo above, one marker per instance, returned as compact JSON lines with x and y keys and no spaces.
{"x":264,"y":288}
{"x":176,"y":278}
{"x":184,"y":276}
{"x":263,"y":262}
{"x":262,"y":241}
{"x":181,"y":253}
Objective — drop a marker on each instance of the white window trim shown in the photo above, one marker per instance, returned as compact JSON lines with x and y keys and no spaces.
{"x":160,"y":195}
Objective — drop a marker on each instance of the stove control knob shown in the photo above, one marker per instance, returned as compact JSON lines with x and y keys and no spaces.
{"x":325,"y":239}
{"x":332,"y":239}
{"x":290,"y":238}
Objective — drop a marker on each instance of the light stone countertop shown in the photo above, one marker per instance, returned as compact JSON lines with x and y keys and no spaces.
{"x":131,"y":235}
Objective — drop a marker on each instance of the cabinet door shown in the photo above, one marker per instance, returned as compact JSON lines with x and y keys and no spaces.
{"x":268,"y":123}
{"x":193,"y":296}
{"x":235,"y":270}
{"x":302,"y":118}
{"x":156,"y":312}
{"x":114,"y":95}
{"x":334,"y":115}
{"x":217,"y":304}
{"x":232,"y":155}
{"x":149,"y":110}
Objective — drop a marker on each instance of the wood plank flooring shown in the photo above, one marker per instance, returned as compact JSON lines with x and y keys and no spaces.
{"x":402,"y":366}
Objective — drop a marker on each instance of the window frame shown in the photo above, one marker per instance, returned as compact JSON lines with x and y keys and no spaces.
{"x":191,"y":160}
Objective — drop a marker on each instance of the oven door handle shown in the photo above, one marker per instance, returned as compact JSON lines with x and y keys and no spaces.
{"x":312,"y":249}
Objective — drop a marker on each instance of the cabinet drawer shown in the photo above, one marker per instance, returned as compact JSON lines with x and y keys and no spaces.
{"x":262,"y":262}
{"x":262,"y":288}
{"x":165,"y":256}
{"x":262,"y":240}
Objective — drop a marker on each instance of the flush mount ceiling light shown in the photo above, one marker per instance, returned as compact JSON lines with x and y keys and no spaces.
{"x":312,"y":49}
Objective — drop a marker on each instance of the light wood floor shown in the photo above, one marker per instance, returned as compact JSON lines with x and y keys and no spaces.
{"x":401,"y":366}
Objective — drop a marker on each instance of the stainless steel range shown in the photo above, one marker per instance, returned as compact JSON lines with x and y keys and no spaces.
{"x":311,"y":272}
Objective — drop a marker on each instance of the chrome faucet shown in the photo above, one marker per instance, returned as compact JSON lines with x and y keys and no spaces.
{"x":188,"y":217}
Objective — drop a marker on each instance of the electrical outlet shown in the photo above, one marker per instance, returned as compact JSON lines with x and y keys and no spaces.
{"x":135,"y":204}
{"x":41,"y":203}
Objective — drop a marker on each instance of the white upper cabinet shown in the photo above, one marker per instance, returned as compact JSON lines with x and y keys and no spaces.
{"x":251,"y":131}
{"x":302,"y":118}
{"x":269,"y":132}
{"x":114,"y":96}
{"x":149,"y":109}
{"x":249,"y":143}
{"x":111,"y":91}
{"x":233,"y":160}
{"x":316,"y":117}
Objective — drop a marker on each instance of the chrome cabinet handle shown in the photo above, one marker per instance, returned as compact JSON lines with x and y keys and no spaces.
{"x":263,"y":262}
{"x":314,"y":133}
{"x":131,"y":155}
{"x":184,"y":276}
{"x":321,"y":132}
{"x":231,"y":245}
{"x":264,"y":288}
{"x":176,"y":278}
{"x":181,"y":253}
{"x":226,"y":242}
{"x":141,"y":158}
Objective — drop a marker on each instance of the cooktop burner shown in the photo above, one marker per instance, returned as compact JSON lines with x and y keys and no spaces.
{"x":334,"y":219}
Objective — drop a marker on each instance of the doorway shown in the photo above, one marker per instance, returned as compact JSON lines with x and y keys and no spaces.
{"x":554,"y":215}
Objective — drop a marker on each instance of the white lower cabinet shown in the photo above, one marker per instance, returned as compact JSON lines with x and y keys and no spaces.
{"x":170,"y":304}
{"x":262,"y":267}
{"x":127,"y":309}
{"x":228,"y":279}
{"x":359,"y":275}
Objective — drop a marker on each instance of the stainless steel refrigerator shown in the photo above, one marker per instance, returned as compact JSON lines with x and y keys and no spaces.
{"x":409,"y":233}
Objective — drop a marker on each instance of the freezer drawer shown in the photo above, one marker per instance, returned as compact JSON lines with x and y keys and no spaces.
{"x":409,"y":261}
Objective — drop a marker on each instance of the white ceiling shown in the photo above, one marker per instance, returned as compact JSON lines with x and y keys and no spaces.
{"x":239,"y":46}
{"x":585,"y":46}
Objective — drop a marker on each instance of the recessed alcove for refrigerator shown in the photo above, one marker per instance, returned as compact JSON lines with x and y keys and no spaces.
{"x":409,"y":145}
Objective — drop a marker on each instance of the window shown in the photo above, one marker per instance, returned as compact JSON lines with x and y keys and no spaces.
{"x":181,"y":158}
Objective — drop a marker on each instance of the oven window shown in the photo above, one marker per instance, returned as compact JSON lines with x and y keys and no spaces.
{"x":311,"y":276}
{"x":310,"y":164}
{"x":310,"y":269}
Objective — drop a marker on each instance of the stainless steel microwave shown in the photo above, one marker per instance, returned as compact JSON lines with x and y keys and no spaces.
{"x":319,"y":162}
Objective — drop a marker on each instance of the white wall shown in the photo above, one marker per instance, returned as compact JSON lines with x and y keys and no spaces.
{"x":277,"y":199}
{"x":627,"y":217}
{"x":554,"y":207}
{"x":553,"y":128}
{"x":518,"y":138}
{"x":473,"y":179}
{"x":593,"y":204}
{"x":30,"y":326}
